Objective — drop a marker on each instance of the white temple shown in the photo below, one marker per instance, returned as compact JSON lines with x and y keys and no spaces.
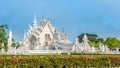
{"x":43,"y":34}
{"x":44,"y":38}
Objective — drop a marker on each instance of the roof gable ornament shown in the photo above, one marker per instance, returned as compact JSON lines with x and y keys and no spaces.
{"x":44,"y":22}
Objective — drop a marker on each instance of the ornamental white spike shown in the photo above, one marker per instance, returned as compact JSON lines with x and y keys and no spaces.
{"x":10,"y":39}
{"x":35,"y":20}
{"x":9,"y":42}
{"x":85,"y":38}
{"x":24,"y":36}
{"x":76,"y":41}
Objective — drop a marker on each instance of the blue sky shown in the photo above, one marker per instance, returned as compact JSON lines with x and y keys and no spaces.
{"x":76,"y":16}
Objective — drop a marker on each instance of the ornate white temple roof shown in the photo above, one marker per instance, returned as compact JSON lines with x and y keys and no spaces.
{"x":37,"y":34}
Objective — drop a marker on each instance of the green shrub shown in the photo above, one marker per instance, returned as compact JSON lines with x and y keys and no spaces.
{"x":59,"y":61}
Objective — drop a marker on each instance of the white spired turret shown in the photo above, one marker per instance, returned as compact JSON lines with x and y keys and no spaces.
{"x":75,"y":45}
{"x":10,"y":39}
{"x":85,"y":39}
{"x":9,"y":42}
{"x":87,"y":48}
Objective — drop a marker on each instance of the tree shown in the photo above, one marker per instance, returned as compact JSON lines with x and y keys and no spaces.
{"x":91,"y":37}
{"x":15,"y":45}
{"x":3,"y":36}
{"x":94,"y":40}
{"x":112,"y":42}
{"x":100,"y":40}
{"x":93,"y":44}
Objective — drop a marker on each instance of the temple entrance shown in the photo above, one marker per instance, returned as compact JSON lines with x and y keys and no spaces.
{"x":46,"y":43}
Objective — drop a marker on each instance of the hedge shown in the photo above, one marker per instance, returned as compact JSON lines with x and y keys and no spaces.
{"x":59,"y":61}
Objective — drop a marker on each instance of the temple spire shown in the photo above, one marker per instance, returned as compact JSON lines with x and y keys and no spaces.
{"x":85,"y":38}
{"x":24,"y":35}
{"x":35,"y":20}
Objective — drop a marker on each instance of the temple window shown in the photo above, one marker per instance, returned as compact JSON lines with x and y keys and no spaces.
{"x":47,"y":37}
